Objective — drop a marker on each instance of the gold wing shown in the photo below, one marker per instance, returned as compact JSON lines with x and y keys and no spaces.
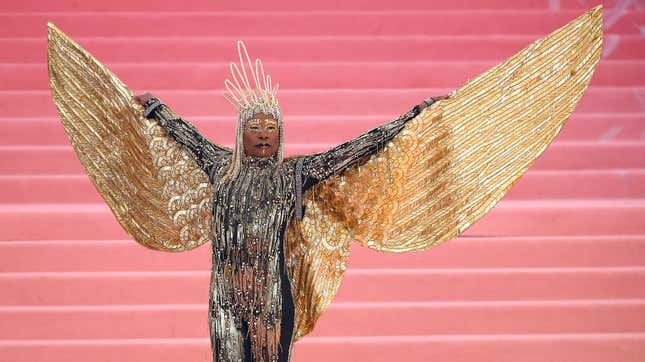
{"x":447,"y":168}
{"x":151,"y":183}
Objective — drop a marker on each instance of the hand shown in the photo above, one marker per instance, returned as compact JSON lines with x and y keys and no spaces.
{"x":143,"y":98}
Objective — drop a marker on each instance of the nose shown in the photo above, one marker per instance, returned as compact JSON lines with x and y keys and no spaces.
{"x":263,"y":136}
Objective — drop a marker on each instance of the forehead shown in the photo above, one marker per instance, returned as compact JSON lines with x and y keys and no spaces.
{"x":262,"y":116}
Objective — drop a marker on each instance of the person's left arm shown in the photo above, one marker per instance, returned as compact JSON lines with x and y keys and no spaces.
{"x":320,"y":166}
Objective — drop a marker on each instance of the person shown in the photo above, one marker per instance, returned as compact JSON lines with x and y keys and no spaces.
{"x":280,"y":227}
{"x":252,"y":311}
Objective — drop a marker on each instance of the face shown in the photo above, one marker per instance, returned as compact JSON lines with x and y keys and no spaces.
{"x":261,"y":136}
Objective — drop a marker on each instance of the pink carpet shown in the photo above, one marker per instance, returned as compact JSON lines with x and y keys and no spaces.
{"x":556,"y":272}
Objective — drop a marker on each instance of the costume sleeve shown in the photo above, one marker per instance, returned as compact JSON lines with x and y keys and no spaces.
{"x":318,"y":167}
{"x":205,"y":152}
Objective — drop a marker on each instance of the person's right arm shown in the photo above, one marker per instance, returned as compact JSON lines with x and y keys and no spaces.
{"x":204,"y":151}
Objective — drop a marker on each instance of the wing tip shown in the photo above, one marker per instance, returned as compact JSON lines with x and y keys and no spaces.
{"x":596,"y":12}
{"x":54,"y":34}
{"x":596,"y":20}
{"x":52,"y":29}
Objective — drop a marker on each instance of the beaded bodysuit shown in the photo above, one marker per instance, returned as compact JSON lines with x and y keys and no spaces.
{"x":250,"y":217}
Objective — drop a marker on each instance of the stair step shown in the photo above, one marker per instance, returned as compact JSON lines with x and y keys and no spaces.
{"x":306,"y":48}
{"x":205,"y":76}
{"x":462,"y":252}
{"x":288,"y":5}
{"x":508,"y":218}
{"x":327,"y":102}
{"x":359,"y":285}
{"x":588,"y":347}
{"x":535,"y":184}
{"x":341,"y":319}
{"x":604,"y":128}
{"x":57,"y":160}
{"x":361,"y":22}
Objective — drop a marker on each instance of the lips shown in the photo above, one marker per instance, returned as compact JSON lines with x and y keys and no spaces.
{"x":263,"y":145}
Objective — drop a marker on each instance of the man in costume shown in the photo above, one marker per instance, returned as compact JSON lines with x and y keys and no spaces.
{"x":281,"y":227}
{"x":256,"y":193}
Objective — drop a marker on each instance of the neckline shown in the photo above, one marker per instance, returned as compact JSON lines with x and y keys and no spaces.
{"x":259,"y":161}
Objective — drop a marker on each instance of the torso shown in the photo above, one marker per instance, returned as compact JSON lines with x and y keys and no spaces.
{"x":250,"y":215}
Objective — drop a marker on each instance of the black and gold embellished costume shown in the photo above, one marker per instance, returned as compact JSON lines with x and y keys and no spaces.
{"x":250,"y":217}
{"x":286,"y":226}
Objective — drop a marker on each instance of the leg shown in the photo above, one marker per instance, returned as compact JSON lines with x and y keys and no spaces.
{"x":228,"y":342}
{"x":288,"y":320}
{"x":247,"y":342}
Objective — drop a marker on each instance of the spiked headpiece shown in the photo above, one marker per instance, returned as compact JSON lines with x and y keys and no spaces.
{"x":253,"y":95}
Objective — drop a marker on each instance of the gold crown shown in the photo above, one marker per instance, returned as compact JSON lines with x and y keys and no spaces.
{"x":249,"y":98}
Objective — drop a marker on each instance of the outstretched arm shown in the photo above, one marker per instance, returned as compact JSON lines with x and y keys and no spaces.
{"x":320,"y":166}
{"x":205,"y":152}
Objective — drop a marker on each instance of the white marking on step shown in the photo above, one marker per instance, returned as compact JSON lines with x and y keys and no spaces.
{"x":554,"y":5}
{"x":611,"y":43}
{"x":618,"y":11}
{"x":640,"y":97}
{"x":610,"y":134}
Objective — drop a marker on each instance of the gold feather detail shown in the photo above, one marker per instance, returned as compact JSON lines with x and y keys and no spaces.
{"x":447,"y":168}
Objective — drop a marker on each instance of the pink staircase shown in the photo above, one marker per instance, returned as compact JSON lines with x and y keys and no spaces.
{"x":556,"y":272}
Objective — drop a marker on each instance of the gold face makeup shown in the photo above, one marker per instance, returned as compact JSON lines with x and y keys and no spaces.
{"x":257,"y":125}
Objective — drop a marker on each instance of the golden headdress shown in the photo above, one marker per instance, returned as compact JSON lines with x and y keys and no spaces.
{"x":240,"y":92}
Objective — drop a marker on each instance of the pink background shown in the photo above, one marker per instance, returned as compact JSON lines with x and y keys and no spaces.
{"x":556,"y":272}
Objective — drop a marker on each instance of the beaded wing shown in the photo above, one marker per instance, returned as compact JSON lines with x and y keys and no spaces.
{"x":447,"y":168}
{"x":152,"y":184}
